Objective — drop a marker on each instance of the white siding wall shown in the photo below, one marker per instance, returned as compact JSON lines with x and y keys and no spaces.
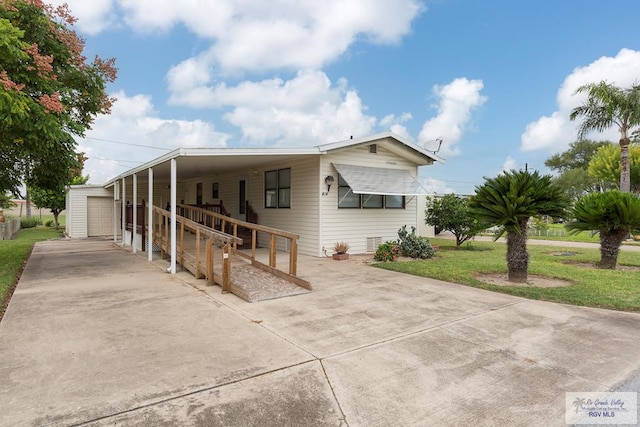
{"x":354,"y":226}
{"x":76,"y":221}
{"x":303,"y":216}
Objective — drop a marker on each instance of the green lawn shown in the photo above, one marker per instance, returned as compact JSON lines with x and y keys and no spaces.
{"x":13,"y":254}
{"x":619,"y":289}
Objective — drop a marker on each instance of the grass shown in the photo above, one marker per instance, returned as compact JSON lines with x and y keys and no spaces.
{"x":13,"y":254}
{"x":612,"y":289}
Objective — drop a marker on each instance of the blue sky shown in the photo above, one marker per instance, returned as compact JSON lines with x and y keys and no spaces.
{"x":494,"y":79}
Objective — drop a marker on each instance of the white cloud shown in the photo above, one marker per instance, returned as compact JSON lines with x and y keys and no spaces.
{"x":245,"y":34}
{"x":456,"y":101}
{"x":133,"y":120}
{"x":306,"y":109}
{"x":93,"y":16}
{"x":436,"y":186}
{"x":556,"y":131}
{"x":509,"y":164}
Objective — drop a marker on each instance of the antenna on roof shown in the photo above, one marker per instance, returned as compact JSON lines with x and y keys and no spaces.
{"x":439,"y":140}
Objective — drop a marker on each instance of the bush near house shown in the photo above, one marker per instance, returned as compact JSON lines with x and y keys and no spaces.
{"x":412,"y":245}
{"x":388,"y":251}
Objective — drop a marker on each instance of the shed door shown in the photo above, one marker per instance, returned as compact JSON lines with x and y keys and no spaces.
{"x":99,"y":216}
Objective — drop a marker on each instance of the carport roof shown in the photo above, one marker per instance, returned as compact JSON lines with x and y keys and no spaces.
{"x":194,"y":162}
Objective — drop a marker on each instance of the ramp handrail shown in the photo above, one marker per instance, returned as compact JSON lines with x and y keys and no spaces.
{"x":213,"y":238}
{"x":227,"y":222}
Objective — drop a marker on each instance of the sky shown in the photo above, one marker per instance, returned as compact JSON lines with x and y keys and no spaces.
{"x":494,"y":79}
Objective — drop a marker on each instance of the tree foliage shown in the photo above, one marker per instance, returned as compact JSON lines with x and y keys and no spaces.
{"x":55,"y":199}
{"x":508,"y":201}
{"x":606,"y":106}
{"x":571,"y":167}
{"x":5,"y":201}
{"x":605,"y":166}
{"x":48,"y":93}
{"x":451,"y":213}
{"x":612,"y":214}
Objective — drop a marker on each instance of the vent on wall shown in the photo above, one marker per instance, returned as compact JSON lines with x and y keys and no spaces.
{"x":373,"y":243}
{"x":373,"y":148}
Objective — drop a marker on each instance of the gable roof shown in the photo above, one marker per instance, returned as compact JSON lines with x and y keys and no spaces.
{"x":400,"y":145}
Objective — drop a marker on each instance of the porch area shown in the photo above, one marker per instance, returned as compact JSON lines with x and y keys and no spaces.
{"x":221,"y":250}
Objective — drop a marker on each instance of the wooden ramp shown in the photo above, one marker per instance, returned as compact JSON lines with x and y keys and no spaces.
{"x":254,"y":284}
{"x":213,"y":255}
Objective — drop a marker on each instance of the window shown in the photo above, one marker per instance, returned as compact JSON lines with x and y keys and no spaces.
{"x":277,"y":188}
{"x":215,"y":191}
{"x":348,"y":199}
{"x":394,"y":202}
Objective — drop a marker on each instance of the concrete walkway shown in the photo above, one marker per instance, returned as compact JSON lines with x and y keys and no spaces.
{"x":97,"y":336}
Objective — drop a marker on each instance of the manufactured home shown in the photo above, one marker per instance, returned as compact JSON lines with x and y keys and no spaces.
{"x":360,"y":191}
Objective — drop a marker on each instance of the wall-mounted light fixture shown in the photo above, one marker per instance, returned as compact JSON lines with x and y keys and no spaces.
{"x":329,"y":180}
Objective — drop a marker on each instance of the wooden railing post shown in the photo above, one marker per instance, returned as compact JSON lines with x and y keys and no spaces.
{"x":272,"y":251}
{"x":197,"y":253}
{"x":226,"y":268}
{"x":182,"y":244}
{"x":293,"y":257}
{"x":210,"y":260}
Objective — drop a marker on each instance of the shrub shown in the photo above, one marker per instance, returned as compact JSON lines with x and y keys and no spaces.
{"x":388,"y":251}
{"x":412,"y":245}
{"x":30,"y":222}
{"x":49,"y":223}
{"x":538,"y":226}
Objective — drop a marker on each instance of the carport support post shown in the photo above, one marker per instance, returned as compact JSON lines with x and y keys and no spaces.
{"x":150,"y":218}
{"x":174,"y":181}
{"x":134,"y":228}
{"x":115,"y":213}
{"x":123,"y":204}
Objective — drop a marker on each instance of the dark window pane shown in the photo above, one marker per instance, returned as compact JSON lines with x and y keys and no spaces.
{"x":284,"y":178}
{"x":394,"y":202}
{"x":372,"y":201}
{"x":346,"y":198}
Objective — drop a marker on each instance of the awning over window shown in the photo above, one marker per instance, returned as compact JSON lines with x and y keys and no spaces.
{"x":367,"y":180}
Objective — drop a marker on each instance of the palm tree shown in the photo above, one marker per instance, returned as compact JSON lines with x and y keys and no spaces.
{"x":613,"y":214}
{"x":508,"y":201}
{"x":608,"y":105}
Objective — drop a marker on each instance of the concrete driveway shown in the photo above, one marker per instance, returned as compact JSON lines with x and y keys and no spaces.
{"x":97,"y":336}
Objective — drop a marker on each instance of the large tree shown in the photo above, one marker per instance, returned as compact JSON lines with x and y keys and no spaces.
{"x":605,"y":166}
{"x":49,"y":93}
{"x":612,"y":214}
{"x":608,"y":105}
{"x":571,"y":168}
{"x":451,"y":213}
{"x":508,"y":201}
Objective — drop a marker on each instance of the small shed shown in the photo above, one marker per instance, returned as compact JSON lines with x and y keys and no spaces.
{"x":90,"y":211}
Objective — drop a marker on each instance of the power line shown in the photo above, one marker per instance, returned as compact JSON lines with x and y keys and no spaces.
{"x":114,"y":160}
{"x":128,"y":143}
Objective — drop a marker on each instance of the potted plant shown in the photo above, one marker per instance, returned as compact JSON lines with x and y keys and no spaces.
{"x":340,"y":251}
